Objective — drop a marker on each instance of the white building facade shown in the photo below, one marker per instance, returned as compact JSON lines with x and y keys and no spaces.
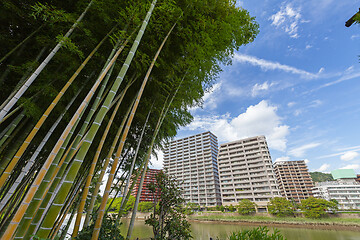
{"x":346,"y":192}
{"x":193,"y":162}
{"x":246,"y":172}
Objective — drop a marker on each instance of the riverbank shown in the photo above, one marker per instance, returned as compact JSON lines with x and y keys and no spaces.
{"x":333,"y":223}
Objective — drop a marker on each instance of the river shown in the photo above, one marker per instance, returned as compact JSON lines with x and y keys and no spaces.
{"x":205,"y":230}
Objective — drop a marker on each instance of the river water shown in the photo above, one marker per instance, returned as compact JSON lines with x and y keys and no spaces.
{"x":205,"y":230}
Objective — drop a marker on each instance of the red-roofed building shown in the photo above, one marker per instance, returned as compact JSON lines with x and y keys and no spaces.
{"x":146,"y":195}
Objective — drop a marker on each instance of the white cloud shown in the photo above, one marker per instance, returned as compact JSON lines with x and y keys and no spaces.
{"x":308,"y":46}
{"x":348,"y":156}
{"x":269,"y":65}
{"x":288,"y":19}
{"x":260,"y":119}
{"x":159,"y":162}
{"x":356,"y":167}
{"x":297,"y":112}
{"x":355,"y":36}
{"x":291,"y":104}
{"x":258,"y":88}
{"x":210,"y":99}
{"x":343,"y":78}
{"x":300,"y":151}
{"x":316,"y":103}
{"x":306,"y":161}
{"x":323,"y":167}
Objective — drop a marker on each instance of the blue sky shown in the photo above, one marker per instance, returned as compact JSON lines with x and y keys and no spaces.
{"x":298,"y":84}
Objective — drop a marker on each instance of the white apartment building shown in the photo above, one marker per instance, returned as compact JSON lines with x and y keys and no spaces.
{"x":246,"y":172}
{"x":193,"y":162}
{"x":345,"y":189}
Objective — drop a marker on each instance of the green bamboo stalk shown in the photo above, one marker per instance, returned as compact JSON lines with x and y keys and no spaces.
{"x":12,"y":126}
{"x":21,"y":82}
{"x":46,"y":114}
{"x":132,"y":165}
{"x":157,"y":128}
{"x":31,"y":79}
{"x":29,"y":196}
{"x":55,"y":208}
{"x":21,"y":43}
{"x":31,"y":162}
{"x":93,"y":164}
{"x":106,"y":163}
{"x":13,"y":148}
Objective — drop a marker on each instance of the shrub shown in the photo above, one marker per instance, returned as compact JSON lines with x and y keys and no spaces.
{"x":246,"y":207}
{"x":109,"y":230}
{"x":232,"y":208}
{"x":259,"y":233}
{"x":280,"y":207}
{"x":145,"y":206}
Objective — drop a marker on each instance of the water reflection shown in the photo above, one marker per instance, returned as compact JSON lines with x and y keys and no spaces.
{"x":205,"y":230}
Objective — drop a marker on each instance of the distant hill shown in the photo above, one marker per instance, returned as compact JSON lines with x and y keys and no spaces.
{"x":321,"y":177}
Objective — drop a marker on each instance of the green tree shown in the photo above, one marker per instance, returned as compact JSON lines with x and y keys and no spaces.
{"x":321,"y":177}
{"x":316,"y":207}
{"x":168,"y":219}
{"x":246,"y":207}
{"x":280,"y":207}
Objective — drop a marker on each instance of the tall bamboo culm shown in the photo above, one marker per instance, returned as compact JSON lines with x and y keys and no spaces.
{"x":31,"y":79}
{"x":23,"y":207}
{"x":41,"y":121}
{"x":93,"y":164}
{"x":30,"y":163}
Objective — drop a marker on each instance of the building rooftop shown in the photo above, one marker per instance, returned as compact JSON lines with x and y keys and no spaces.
{"x":343,"y":173}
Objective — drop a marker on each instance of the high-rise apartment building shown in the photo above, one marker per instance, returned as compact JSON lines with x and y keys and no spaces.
{"x":193,"y":162}
{"x":246,"y":172}
{"x":294,"y":180}
{"x":146,"y":195}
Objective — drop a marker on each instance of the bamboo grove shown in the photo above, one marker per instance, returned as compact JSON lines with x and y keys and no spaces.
{"x":91,"y":88}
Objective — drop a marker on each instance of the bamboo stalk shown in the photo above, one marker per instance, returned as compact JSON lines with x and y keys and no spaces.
{"x":106,"y":163}
{"x":12,"y":126}
{"x":23,"y":207}
{"x":31,"y":79}
{"x":30,"y":163}
{"x":21,"y":43}
{"x":132,"y":166}
{"x":45,"y":115}
{"x":93,"y":164}
{"x":49,"y":219}
{"x":21,"y":82}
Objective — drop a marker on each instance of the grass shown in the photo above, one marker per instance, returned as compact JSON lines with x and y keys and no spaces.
{"x":288,"y":220}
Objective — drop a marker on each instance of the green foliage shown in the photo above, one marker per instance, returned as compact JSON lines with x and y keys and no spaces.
{"x":246,"y":207}
{"x":168,"y":220}
{"x":321,"y":177}
{"x":145,"y":206}
{"x":231,"y":208}
{"x":259,"y":233}
{"x":190,"y":208}
{"x":115,"y":206}
{"x":69,"y":45}
{"x":109,"y":230}
{"x":48,"y":13}
{"x":316,"y":207}
{"x":280,"y":207}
